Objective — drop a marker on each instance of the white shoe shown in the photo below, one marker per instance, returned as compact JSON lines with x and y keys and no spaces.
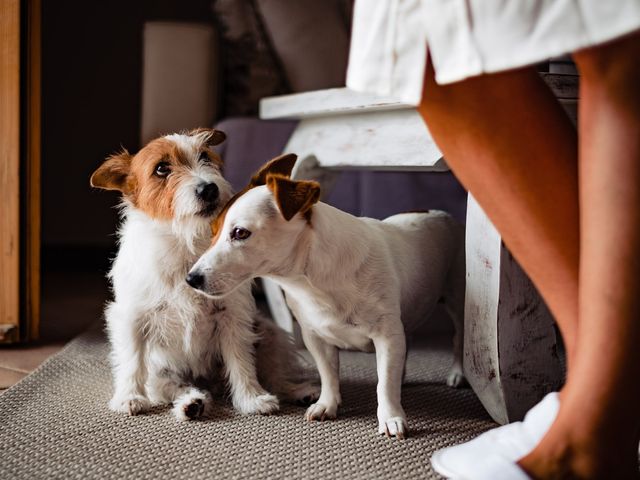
{"x":500,"y":446}
{"x":495,"y":467}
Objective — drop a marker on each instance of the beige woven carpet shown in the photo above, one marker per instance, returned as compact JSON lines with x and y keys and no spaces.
{"x":55,"y":424}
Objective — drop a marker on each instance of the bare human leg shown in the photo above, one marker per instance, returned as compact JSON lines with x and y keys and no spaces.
{"x":597,"y":429}
{"x":509,"y":142}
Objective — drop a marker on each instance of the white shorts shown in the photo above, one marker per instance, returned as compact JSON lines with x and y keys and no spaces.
{"x":390,"y":38}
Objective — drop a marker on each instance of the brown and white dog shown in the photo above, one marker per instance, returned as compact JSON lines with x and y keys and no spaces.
{"x":353,"y":283}
{"x":169,"y":343}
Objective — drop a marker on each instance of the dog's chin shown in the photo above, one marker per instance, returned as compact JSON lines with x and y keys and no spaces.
{"x":217,"y":295}
{"x":209,"y":211}
{"x":225,"y":291}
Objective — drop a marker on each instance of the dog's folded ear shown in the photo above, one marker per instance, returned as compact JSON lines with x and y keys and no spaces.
{"x":293,"y":196}
{"x":210,"y":135}
{"x":281,"y":165}
{"x":113,"y":174}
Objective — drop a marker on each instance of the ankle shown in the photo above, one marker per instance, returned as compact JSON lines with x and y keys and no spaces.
{"x":581,"y":459}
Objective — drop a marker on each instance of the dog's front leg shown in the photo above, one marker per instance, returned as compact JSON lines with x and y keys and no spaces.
{"x":328,"y":363}
{"x":390,"y":359}
{"x":238,"y":354}
{"x":127,"y":358}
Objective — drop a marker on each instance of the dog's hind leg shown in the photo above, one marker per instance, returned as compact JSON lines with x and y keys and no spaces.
{"x":166,"y":386}
{"x":191,"y":403}
{"x":454,"y":305}
{"x":303,"y":393}
{"x":281,"y":369}
{"x":455,"y":377}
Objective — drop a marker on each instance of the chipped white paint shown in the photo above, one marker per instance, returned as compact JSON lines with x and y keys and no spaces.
{"x":387,"y":140}
{"x":280,"y":311}
{"x":510,"y":346}
{"x":330,"y":102}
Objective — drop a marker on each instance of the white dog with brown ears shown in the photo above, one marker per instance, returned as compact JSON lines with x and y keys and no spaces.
{"x":170,"y":344}
{"x":353,"y":283}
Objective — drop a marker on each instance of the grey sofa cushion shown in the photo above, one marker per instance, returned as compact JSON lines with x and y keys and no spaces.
{"x":311,"y":40}
{"x":250,"y":143}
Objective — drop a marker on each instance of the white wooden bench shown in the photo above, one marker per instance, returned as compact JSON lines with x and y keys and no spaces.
{"x":510,"y":349}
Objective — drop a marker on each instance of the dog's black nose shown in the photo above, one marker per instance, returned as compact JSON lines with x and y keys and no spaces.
{"x":195,"y":280}
{"x":207,"y":192}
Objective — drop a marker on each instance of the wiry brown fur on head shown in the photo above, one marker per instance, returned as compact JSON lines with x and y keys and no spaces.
{"x":135,"y":177}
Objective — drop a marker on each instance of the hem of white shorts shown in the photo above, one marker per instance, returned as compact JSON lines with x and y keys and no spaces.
{"x":553,"y":49}
{"x":410,"y":93}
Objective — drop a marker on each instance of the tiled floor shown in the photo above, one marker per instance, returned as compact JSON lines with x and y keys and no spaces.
{"x":71,"y":301}
{"x":16,"y":362}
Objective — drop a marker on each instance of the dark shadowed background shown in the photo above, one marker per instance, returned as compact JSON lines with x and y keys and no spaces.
{"x":118,"y":73}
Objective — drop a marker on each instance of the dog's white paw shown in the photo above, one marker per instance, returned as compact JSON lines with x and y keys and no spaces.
{"x":321,"y":411}
{"x":304,"y":394}
{"x":191,"y":405}
{"x":456,"y":378}
{"x":394,"y":427}
{"x":264,"y":404}
{"x":130,"y":404}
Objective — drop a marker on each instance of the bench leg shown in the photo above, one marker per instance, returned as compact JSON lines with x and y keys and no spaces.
{"x":510,"y":345}
{"x":279,"y":310}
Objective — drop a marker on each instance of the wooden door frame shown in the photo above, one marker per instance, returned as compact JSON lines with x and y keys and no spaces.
{"x":20,"y":131}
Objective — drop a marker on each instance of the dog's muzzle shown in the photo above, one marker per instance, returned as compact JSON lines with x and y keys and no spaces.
{"x":208,"y":194}
{"x":195,"y":280}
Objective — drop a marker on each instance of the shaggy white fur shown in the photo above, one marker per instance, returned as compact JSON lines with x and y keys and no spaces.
{"x":169,"y":343}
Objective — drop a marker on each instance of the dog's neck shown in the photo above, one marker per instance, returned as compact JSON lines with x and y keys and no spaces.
{"x":328,"y":250}
{"x":187,"y":237}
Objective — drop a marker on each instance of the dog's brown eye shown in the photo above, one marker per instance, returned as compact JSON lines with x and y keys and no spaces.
{"x":204,"y":157}
{"x":239,"y":233}
{"x":162,"y":169}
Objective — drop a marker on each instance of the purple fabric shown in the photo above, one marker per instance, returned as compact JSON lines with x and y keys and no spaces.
{"x":251,"y":142}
